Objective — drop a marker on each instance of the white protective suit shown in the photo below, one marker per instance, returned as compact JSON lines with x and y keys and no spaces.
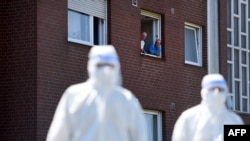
{"x":99,"y":109}
{"x":205,"y":122}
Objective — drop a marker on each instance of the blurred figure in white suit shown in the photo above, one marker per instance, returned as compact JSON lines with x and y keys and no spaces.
{"x":99,"y":109}
{"x":205,"y":122}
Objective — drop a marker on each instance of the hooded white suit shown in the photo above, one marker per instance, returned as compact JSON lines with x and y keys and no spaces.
{"x":205,"y":122}
{"x":99,"y":109}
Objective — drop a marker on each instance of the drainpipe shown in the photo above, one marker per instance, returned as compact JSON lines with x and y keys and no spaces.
{"x":213,"y":41}
{"x":213,"y":38}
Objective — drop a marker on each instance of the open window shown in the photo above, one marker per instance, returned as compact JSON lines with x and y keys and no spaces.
{"x":87,"y":22}
{"x":193,"y":44}
{"x":151,"y":24}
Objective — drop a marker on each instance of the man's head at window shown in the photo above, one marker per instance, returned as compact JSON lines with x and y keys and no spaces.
{"x":143,"y":35}
{"x":158,"y":43}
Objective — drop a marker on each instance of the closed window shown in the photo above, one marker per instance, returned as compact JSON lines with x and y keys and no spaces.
{"x":193,"y":44}
{"x":87,"y":22}
{"x":238,"y":54}
{"x":154,"y":125}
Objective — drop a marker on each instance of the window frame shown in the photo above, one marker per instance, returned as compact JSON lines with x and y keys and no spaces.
{"x":90,"y":27}
{"x":102,"y":28}
{"x":238,"y":54}
{"x":158,"y":114}
{"x":156,"y":29}
{"x":198,"y":40}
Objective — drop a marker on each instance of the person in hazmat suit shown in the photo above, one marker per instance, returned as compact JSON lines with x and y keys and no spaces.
{"x":205,"y":122}
{"x":99,"y":109}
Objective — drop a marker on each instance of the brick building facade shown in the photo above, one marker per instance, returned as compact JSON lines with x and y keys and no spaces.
{"x":38,"y":62}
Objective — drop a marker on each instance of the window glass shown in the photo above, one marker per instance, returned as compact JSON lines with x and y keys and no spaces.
{"x":243,"y":17}
{"x":190,"y":45}
{"x":237,"y":96}
{"x":153,"y":119}
{"x":78,"y":26}
{"x":229,"y":13}
{"x":244,"y":81}
{"x":229,"y":78}
{"x":236,"y":31}
{"x":229,"y":38}
{"x":236,"y":2}
{"x":236,"y":64}
{"x":244,"y":105}
{"x":152,"y":126}
{"x":193,"y":44}
{"x":243,"y":41}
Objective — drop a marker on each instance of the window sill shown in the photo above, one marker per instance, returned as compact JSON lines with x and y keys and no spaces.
{"x":193,"y":63}
{"x":146,"y":54}
{"x":241,"y":112}
{"x":79,"y":42}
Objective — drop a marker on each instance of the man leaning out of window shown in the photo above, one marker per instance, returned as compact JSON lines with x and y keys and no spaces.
{"x":155,"y":49}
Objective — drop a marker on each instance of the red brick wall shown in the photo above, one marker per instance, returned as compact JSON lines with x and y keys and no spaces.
{"x":159,"y":82}
{"x":38,"y":63}
{"x":18,"y":64}
{"x":60,"y":63}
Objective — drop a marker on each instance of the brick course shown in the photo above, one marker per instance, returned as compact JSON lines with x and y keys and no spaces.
{"x":159,"y":82}
{"x":18,"y":75}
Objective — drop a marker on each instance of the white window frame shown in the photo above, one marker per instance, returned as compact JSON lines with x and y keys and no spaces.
{"x":198,"y":40}
{"x":238,"y":55}
{"x":93,"y":10}
{"x":159,"y":122}
{"x":156,"y":29}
